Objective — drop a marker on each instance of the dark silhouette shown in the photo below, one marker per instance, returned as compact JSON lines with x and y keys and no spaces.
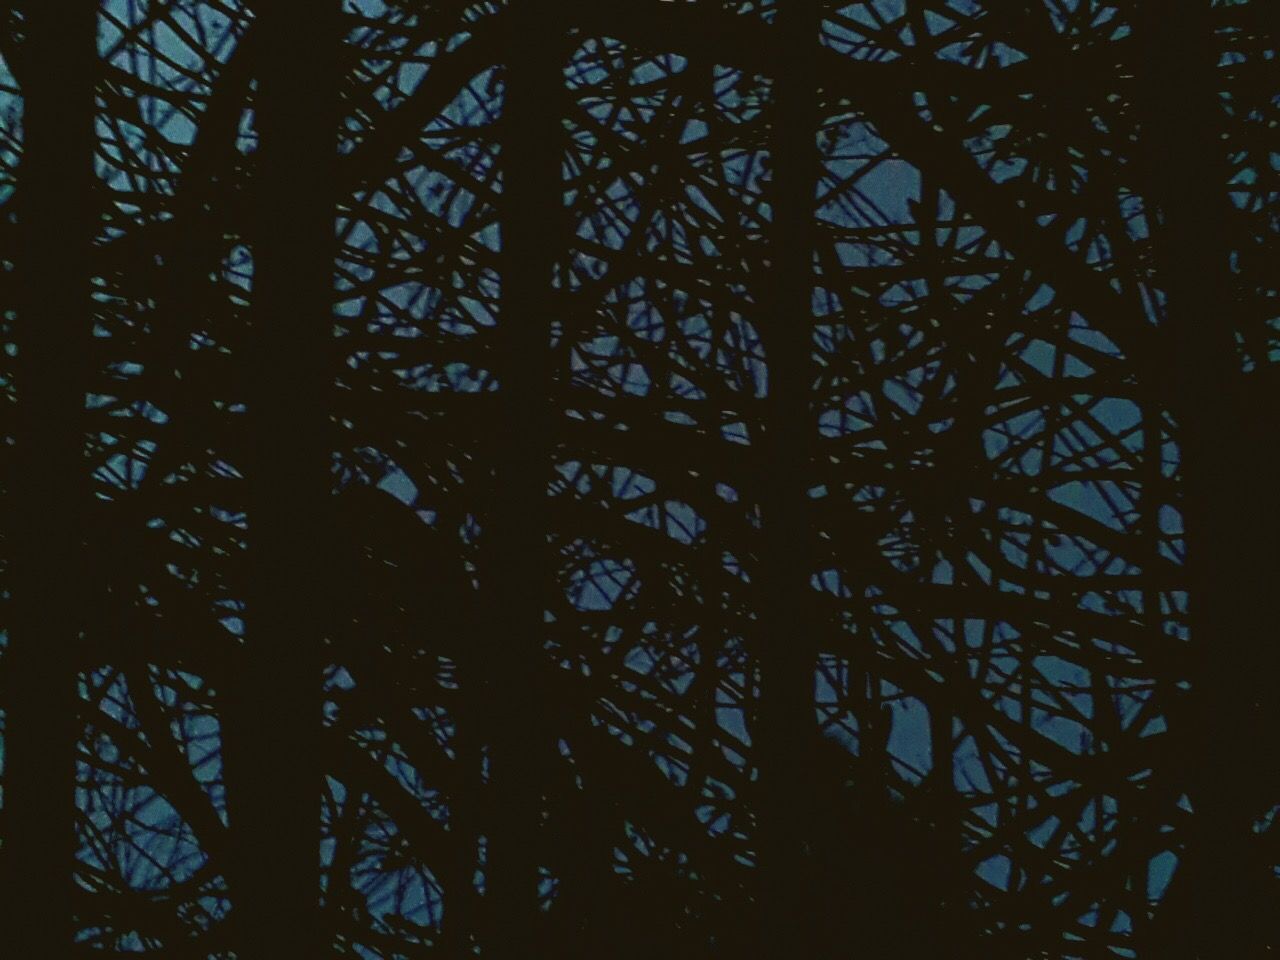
{"x":630,"y":478}
{"x":45,"y":483}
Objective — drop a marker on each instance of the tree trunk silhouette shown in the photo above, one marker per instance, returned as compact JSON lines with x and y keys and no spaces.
{"x":517,"y":549}
{"x":790,"y":633}
{"x":47,"y":488}
{"x":1223,"y":884}
{"x":273,"y":755}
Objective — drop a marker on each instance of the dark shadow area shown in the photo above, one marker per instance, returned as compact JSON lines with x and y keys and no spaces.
{"x":632,"y":479}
